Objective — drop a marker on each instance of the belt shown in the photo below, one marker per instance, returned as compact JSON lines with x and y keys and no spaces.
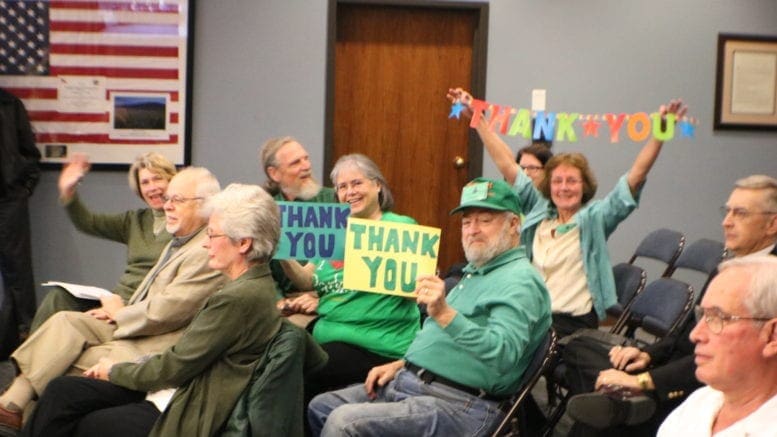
{"x":428,"y":377}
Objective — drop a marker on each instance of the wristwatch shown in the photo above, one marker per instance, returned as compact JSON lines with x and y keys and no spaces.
{"x":644,"y":380}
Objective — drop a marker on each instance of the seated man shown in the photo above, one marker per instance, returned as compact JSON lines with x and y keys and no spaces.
{"x":286,"y":164}
{"x":736,"y":355}
{"x":664,"y":370}
{"x":155,"y":316}
{"x":474,"y":346}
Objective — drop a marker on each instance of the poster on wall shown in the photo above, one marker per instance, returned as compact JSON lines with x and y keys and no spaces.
{"x":110,"y":79}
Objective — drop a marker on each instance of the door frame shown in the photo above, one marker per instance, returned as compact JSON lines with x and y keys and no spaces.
{"x":478,"y":86}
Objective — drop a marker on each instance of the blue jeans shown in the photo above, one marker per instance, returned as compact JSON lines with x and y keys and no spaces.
{"x":405,"y":406}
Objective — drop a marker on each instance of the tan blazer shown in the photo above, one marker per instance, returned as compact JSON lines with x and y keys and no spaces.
{"x":71,"y":342}
{"x":179,"y":290}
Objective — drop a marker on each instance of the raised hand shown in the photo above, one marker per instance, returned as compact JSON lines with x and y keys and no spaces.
{"x":72,"y":173}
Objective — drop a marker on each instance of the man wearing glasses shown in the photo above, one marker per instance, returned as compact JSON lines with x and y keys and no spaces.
{"x":151,"y":321}
{"x":735,"y":355}
{"x":665,"y":371}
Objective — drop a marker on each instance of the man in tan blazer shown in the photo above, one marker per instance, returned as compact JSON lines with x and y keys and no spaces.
{"x":152,"y":320}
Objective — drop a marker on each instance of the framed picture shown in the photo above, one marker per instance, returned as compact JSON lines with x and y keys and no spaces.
{"x":746,"y":84}
{"x":109,"y":79}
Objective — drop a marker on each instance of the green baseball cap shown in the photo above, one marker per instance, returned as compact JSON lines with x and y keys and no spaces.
{"x":489,"y":194}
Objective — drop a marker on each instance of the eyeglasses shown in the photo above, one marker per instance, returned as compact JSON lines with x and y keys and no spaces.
{"x":569,"y":181}
{"x":716,"y":319}
{"x":177,"y":200}
{"x":354,"y":184}
{"x":532,"y":167}
{"x":212,"y":236}
{"x":741,"y":213}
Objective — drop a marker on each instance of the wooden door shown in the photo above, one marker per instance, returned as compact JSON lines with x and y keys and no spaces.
{"x":392,"y":66}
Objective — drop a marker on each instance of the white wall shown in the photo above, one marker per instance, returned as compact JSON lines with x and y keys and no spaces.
{"x":259,"y":71}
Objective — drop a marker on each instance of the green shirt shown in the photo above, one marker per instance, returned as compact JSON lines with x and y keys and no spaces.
{"x":503,"y":313}
{"x":381,"y":323}
{"x":134,"y":228}
{"x":326,"y":195}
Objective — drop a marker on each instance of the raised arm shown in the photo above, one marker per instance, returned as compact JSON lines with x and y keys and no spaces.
{"x":649,"y":153}
{"x":499,"y":151}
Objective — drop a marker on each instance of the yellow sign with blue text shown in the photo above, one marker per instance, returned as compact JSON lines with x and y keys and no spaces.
{"x":386,"y":257}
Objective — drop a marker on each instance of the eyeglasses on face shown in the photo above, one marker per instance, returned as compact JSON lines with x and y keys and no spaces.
{"x":741,"y":213}
{"x":211,"y":235}
{"x":568,"y":181}
{"x":354,"y":184}
{"x":528,"y":168}
{"x":716,"y":319}
{"x":177,"y":200}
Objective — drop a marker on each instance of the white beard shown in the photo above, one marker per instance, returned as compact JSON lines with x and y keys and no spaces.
{"x":309,"y":190}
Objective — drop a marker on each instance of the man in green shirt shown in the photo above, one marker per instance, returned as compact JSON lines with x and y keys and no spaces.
{"x":473,"y":348}
{"x":286,"y":164}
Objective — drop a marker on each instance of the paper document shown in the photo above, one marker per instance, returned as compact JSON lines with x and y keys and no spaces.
{"x":80,"y":291}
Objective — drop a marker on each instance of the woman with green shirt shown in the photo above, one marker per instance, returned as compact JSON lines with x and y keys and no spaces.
{"x":358,"y":329}
{"x":142,"y":230}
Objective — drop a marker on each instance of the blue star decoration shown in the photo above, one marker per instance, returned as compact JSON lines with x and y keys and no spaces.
{"x":456,"y":110}
{"x":686,"y":128}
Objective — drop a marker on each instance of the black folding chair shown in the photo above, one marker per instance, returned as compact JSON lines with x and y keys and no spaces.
{"x":699,"y":258}
{"x":663,"y":245}
{"x":543,"y":356}
{"x":660,"y":308}
{"x":629,"y":282}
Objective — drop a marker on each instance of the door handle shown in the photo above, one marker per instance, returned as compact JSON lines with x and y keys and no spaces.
{"x":458,"y":162}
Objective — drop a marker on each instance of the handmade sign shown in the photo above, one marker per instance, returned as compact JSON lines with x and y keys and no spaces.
{"x":386,"y":257}
{"x":312,"y":230}
{"x":561,"y":126}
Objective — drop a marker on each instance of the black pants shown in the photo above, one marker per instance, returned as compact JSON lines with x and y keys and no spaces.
{"x":78,"y":406}
{"x":347,"y":364}
{"x":565,"y":324}
{"x":18,"y":300}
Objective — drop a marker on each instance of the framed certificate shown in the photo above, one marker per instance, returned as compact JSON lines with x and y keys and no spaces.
{"x":746,"y":85}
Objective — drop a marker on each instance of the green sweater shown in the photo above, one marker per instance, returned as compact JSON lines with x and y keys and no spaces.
{"x":134,"y":228}
{"x":503,"y":313}
{"x":381,"y":323}
{"x":213,"y":361}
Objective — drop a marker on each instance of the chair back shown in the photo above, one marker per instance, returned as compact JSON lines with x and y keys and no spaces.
{"x":629,"y":282}
{"x":663,"y":245}
{"x":660,"y":308}
{"x":540,"y":363}
{"x":698,"y":262}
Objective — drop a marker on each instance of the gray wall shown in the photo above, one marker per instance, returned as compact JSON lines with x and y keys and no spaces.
{"x":259,"y":71}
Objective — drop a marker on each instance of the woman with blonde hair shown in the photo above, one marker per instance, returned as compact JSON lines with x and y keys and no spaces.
{"x":141,"y":230}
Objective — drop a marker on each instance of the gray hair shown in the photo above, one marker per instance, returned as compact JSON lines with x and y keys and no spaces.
{"x":370,"y":171}
{"x":268,"y":158}
{"x":761,"y":298}
{"x":248,"y":211}
{"x":761,"y":182}
{"x":153,"y":162}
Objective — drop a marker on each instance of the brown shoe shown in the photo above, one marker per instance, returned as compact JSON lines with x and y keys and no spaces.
{"x":11,"y":419}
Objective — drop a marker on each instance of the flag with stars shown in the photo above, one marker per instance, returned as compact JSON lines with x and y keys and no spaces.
{"x":126,"y":46}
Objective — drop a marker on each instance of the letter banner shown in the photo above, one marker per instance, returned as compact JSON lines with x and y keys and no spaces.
{"x":386,"y":257}
{"x":312,"y":231}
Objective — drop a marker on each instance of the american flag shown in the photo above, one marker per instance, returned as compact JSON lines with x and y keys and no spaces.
{"x":130,"y":46}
